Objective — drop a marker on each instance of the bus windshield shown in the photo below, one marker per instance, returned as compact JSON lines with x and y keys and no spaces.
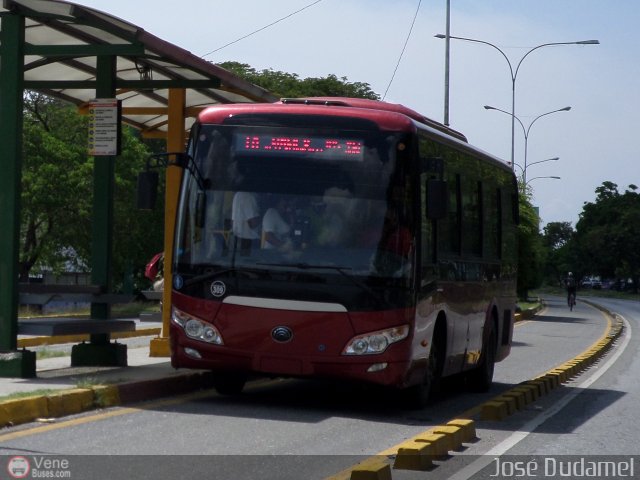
{"x":285,"y":199}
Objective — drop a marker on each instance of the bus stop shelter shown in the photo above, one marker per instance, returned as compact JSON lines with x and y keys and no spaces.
{"x":78,"y":54}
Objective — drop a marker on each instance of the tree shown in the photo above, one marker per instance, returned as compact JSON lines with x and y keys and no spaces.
{"x":138,"y":235}
{"x":55,"y":181}
{"x":530,"y":248}
{"x":607,"y":233}
{"x":560,"y":258}
{"x":57,"y":189}
{"x":557,"y":234}
{"x":291,"y":86}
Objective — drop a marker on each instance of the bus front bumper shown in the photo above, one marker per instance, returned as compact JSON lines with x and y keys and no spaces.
{"x":376,"y":369}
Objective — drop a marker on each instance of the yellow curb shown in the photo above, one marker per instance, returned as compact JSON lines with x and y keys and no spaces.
{"x":551,"y":381}
{"x":493,"y":410}
{"x":467,"y":429}
{"x":414,"y":456}
{"x":22,"y":410}
{"x":106,"y":396}
{"x":530,"y":393}
{"x":69,"y":402}
{"x":510,"y":402}
{"x":519,"y":398}
{"x":372,"y":469}
{"x":439,"y":442}
{"x":452,"y":433}
{"x":540,"y":385}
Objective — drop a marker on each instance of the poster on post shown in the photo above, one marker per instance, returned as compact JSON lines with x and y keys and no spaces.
{"x":105,"y":116}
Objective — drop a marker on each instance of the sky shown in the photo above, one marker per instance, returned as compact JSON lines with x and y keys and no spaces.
{"x":362,"y":41}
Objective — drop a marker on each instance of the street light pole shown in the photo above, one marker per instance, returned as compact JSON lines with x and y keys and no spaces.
{"x":554,"y":159}
{"x":514,"y":73}
{"x":526,"y":131}
{"x":446,"y":64}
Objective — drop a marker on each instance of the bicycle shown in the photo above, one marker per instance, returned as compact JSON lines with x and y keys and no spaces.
{"x":572,"y":301}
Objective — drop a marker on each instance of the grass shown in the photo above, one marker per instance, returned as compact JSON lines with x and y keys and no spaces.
{"x":34,"y":393}
{"x":527,"y":305}
{"x":46,"y":353}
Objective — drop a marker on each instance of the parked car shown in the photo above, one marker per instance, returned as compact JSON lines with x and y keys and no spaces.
{"x":591,"y":282}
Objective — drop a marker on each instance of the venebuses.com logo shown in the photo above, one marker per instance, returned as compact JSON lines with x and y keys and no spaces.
{"x":18,"y":467}
{"x":38,"y":467}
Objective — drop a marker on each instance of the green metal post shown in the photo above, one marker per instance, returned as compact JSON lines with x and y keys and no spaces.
{"x":100,"y":351}
{"x":103,"y":186}
{"x":12,"y":363}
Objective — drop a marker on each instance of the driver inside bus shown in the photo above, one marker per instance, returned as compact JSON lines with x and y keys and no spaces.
{"x":276,"y":227}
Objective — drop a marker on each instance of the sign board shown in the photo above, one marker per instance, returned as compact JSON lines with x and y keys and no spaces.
{"x":105,"y":116}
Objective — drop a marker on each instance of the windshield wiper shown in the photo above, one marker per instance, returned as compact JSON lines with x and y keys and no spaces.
{"x":340,"y":269}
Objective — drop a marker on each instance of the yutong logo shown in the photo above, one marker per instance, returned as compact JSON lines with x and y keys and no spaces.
{"x":281,"y":334}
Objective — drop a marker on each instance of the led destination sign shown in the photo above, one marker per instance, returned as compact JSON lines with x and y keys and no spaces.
{"x":329,"y":148}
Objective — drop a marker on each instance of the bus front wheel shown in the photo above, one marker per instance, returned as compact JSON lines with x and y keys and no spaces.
{"x":481,"y":377}
{"x":418,"y":396}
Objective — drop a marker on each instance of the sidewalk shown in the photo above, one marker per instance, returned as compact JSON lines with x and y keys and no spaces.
{"x":60,"y":389}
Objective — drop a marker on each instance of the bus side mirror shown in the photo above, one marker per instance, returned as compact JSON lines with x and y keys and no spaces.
{"x":437,"y":196}
{"x":147,"y":190}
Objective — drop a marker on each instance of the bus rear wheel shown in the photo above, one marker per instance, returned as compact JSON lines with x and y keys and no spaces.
{"x":229,"y":383}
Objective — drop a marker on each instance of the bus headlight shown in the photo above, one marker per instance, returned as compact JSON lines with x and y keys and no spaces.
{"x":375,"y":342}
{"x":196,"y":328}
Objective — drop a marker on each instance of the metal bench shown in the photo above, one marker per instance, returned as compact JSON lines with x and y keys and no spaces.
{"x":41,"y":294}
{"x":152,"y":294}
{"x":99,"y":351}
{"x":51,"y":327}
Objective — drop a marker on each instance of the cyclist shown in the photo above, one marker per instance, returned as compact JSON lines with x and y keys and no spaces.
{"x":570,"y":284}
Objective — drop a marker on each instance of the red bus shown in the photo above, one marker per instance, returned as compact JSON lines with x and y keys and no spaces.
{"x":342,"y":238}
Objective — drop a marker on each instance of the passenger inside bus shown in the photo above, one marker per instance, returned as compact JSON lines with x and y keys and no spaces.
{"x":245,"y":218}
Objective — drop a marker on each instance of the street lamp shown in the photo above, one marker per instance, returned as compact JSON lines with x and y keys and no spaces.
{"x":514,"y":73}
{"x":536,"y":178}
{"x":526,"y":131}
{"x":554,"y":159}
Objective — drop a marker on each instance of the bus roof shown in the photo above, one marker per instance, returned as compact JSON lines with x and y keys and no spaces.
{"x":377,"y":105}
{"x":388,"y":116}
{"x":386,"y":120}
{"x":323,"y":102}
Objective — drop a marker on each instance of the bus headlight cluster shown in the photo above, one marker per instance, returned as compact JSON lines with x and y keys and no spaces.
{"x":375,"y":342}
{"x":196,"y":328}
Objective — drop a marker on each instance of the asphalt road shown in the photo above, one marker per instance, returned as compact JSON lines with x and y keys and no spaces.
{"x":280,"y":429}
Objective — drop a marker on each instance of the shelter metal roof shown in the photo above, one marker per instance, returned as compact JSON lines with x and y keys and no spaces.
{"x":63,"y":39}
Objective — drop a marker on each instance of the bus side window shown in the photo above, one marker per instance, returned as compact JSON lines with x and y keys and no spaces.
{"x":437,"y":199}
